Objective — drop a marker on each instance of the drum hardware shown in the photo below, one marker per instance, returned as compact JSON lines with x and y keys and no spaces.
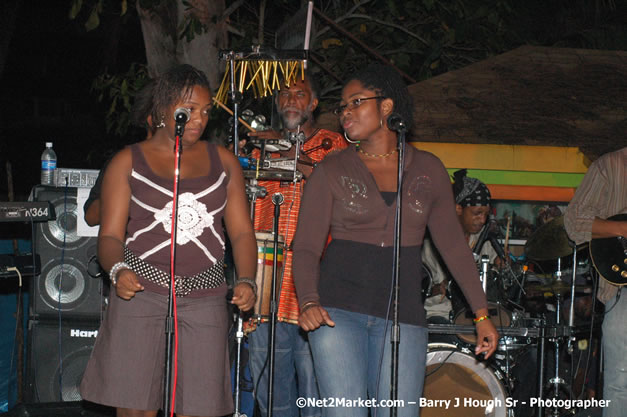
{"x":485,"y":260}
{"x":271,"y":175}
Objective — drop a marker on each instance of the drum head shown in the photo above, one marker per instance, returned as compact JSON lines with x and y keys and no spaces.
{"x":472,"y":388}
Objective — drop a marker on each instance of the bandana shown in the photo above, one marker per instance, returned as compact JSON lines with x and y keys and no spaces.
{"x":470,"y":191}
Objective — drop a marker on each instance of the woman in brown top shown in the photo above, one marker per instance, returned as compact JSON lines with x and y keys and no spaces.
{"x":344,"y":293}
{"x":127,"y":364}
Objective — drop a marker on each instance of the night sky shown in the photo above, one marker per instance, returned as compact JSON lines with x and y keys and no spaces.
{"x":46,"y":96}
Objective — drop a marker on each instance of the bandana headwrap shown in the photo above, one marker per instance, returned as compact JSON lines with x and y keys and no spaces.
{"x":469,"y":191}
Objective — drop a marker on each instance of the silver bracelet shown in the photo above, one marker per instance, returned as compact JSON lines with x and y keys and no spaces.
{"x":113,"y":273}
{"x":248,"y":281}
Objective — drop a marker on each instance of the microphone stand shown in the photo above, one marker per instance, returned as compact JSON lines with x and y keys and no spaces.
{"x":277,"y":200}
{"x":168,"y":402}
{"x":395,"y":336}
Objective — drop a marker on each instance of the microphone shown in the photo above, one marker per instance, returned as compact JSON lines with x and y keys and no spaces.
{"x":497,"y":247}
{"x":277,"y":199}
{"x":395,"y":122}
{"x":182,"y":115}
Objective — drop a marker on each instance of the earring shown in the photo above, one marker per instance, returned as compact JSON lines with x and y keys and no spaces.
{"x":380,"y":122}
{"x":161,"y":123}
{"x":349,"y":140}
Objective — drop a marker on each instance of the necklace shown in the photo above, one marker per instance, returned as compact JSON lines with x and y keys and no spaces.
{"x":375,"y":155}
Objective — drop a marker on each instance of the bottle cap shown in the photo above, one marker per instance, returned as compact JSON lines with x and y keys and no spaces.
{"x":48,"y":144}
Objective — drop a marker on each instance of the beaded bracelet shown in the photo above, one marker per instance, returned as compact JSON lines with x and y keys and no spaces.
{"x":115,"y":269}
{"x":478,"y":319}
{"x":248,"y":281}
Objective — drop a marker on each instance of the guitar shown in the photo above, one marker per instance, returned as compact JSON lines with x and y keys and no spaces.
{"x":609,"y":256}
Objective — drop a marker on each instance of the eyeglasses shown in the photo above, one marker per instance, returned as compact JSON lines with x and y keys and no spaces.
{"x":353,"y":104}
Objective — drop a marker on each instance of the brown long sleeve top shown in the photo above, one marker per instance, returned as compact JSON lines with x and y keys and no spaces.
{"x":341,"y":197}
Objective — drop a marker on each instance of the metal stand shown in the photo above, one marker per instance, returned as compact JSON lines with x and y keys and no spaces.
{"x":277,"y":200}
{"x":395,"y":336}
{"x":168,"y":402}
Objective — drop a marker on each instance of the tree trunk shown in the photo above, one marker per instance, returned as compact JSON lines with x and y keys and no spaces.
{"x":159,"y":30}
{"x":202,"y":51}
{"x":160,"y":27}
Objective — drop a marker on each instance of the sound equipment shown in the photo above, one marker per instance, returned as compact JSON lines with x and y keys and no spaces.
{"x":57,"y":357}
{"x":63,"y":409}
{"x":72,"y":177}
{"x":26,"y":211}
{"x":27,"y":264}
{"x":65,"y":284}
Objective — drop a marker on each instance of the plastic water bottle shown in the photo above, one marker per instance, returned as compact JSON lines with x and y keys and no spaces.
{"x":48,"y":165}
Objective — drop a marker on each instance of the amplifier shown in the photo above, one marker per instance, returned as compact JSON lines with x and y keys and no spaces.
{"x":75,"y":177}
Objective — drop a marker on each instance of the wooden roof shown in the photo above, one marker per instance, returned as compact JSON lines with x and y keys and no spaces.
{"x":529,"y":96}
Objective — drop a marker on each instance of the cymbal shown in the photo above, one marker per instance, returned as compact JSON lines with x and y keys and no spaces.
{"x":557,"y":288}
{"x":550,"y":241}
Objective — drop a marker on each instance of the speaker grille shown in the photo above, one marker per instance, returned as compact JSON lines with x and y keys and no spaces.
{"x":65,"y":285}
{"x":57,"y":357}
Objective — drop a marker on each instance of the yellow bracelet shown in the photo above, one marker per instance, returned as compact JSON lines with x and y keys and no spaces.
{"x":478,"y":319}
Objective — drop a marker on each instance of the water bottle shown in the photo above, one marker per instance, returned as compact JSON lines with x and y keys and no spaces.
{"x":48,"y":165}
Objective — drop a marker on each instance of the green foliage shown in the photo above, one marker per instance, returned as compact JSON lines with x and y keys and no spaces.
{"x":120,"y":90}
{"x":422,"y":38}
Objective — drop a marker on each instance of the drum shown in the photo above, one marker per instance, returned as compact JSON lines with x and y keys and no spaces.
{"x":265,"y":258}
{"x":473,"y":388}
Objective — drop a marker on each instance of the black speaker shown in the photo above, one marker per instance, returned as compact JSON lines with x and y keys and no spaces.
{"x":70,"y":283}
{"x":57,"y":357}
{"x":63,"y":409}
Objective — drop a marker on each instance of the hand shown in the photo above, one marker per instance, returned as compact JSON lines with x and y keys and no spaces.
{"x":127,"y":284}
{"x":243,"y":296}
{"x":487,"y":338}
{"x":313,"y":317}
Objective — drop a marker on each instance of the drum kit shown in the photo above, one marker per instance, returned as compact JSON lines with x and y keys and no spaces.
{"x":498,"y":387}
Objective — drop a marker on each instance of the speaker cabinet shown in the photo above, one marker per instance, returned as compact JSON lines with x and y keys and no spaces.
{"x":70,"y":284}
{"x":57,"y":357}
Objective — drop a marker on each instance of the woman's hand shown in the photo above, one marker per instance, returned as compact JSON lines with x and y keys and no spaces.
{"x":487,"y":338}
{"x":313,"y":316}
{"x":127,"y":284}
{"x":243,"y":296}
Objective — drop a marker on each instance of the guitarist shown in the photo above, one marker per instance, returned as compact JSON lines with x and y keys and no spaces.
{"x":602,"y":194}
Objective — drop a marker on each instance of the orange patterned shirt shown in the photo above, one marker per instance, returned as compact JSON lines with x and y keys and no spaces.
{"x":264,"y":212}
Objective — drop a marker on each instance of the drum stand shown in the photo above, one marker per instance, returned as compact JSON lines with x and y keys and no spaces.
{"x":558,"y":383}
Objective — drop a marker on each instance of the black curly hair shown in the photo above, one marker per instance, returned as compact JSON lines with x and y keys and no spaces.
{"x":386,"y":82}
{"x":172,"y":86}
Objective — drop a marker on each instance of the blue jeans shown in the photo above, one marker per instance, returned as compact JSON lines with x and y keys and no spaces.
{"x":349,"y":363}
{"x":293,"y":370}
{"x":615,"y":359}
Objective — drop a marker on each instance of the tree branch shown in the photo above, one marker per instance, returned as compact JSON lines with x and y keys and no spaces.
{"x":384,"y":23}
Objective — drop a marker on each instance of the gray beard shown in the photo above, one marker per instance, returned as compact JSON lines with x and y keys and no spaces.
{"x":293,"y":124}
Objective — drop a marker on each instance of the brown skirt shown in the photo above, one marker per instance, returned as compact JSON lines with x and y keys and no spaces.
{"x":127,"y":364}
